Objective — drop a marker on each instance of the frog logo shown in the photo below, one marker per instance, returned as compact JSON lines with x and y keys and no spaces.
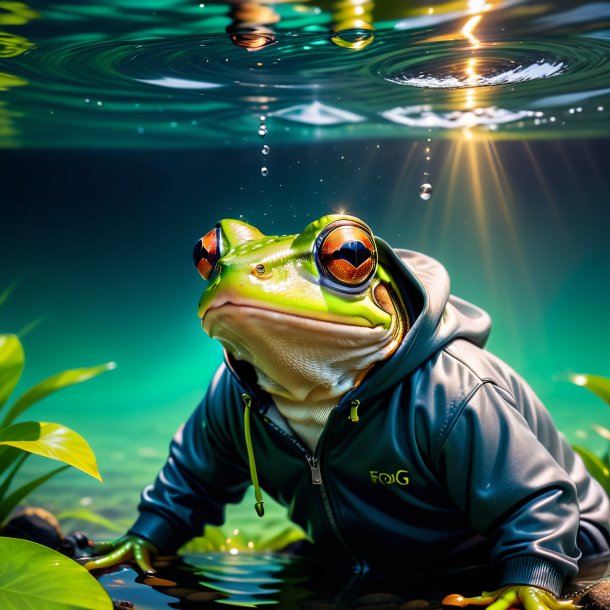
{"x":400,"y":477}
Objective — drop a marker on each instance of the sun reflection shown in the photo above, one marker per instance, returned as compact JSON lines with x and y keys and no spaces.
{"x":476,"y":187}
{"x":478,"y":7}
{"x":468,"y":29}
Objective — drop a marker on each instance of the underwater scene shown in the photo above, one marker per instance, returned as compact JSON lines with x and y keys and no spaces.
{"x":474,"y":131}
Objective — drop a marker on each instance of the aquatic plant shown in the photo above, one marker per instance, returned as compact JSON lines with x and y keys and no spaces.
{"x":598,"y":467}
{"x":19,"y":440}
{"x":34,"y":576}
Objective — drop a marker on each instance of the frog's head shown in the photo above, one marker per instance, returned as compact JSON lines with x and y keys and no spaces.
{"x":326,"y":281}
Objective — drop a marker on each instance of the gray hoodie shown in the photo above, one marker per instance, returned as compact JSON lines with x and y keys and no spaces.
{"x":452,"y":451}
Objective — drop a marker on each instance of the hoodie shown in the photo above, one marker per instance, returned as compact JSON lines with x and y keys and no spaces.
{"x":450,"y":454}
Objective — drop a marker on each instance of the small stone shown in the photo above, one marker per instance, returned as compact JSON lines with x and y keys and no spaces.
{"x":121,"y":604}
{"x":595,"y":598}
{"x":155,"y":581}
{"x":35,"y":524}
{"x":415,"y":604}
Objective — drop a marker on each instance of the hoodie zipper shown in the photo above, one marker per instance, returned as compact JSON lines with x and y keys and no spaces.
{"x":315,"y":467}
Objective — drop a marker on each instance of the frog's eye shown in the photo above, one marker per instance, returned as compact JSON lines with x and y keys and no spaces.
{"x":346,"y":255}
{"x":207,"y":252}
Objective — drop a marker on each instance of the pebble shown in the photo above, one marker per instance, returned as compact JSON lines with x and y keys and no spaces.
{"x":597,"y":597}
{"x":155,"y":581}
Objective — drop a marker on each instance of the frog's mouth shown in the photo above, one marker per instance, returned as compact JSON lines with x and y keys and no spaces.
{"x":282,"y":318}
{"x":299,"y":357}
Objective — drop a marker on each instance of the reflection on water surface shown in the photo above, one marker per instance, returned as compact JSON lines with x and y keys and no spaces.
{"x":178,"y":74}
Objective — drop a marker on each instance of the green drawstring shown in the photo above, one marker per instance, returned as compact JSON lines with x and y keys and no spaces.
{"x":260,"y":509}
{"x":353,"y":411}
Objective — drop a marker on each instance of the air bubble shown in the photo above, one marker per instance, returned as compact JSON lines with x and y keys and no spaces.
{"x":265,"y":150}
{"x":99,"y":104}
{"x":425,"y":191}
{"x":262,"y":118}
{"x":262,"y":131}
{"x":264,"y":171}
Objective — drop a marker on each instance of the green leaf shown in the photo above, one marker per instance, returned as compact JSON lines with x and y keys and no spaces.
{"x":36,"y":577}
{"x":7,"y":456}
{"x":595,"y":466}
{"x":52,"y":384}
{"x":53,"y":441}
{"x":12,"y":359}
{"x":7,"y":505}
{"x":90,"y":517}
{"x":600,"y":386}
{"x":8,"y":479}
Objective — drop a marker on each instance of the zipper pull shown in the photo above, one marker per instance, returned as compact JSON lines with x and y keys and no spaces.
{"x":316,"y":475}
{"x":353,"y":411}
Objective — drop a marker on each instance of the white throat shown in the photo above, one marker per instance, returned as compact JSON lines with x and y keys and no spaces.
{"x":306,"y":365}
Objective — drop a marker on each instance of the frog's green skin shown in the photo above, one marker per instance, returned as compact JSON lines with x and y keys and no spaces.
{"x":291,"y":282}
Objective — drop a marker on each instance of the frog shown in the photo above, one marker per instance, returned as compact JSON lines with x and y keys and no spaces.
{"x":357,"y":391}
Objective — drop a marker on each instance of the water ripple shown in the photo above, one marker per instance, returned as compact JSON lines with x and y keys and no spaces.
{"x":185,"y":90}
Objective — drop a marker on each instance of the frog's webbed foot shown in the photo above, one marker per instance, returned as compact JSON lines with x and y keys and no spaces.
{"x":512,"y":596}
{"x":126,"y":548}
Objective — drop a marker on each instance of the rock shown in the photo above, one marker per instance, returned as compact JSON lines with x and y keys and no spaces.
{"x":76,"y":545}
{"x":155,"y":581}
{"x":34,"y":524}
{"x":595,"y":598}
{"x":120,"y":604}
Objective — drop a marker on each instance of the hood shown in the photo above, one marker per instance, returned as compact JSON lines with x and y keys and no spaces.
{"x":438,"y":318}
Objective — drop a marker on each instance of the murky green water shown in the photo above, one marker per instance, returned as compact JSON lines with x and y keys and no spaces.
{"x":127,"y":129}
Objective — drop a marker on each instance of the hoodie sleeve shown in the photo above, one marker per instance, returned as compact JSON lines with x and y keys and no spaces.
{"x":203,"y":472}
{"x":514,"y":492}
